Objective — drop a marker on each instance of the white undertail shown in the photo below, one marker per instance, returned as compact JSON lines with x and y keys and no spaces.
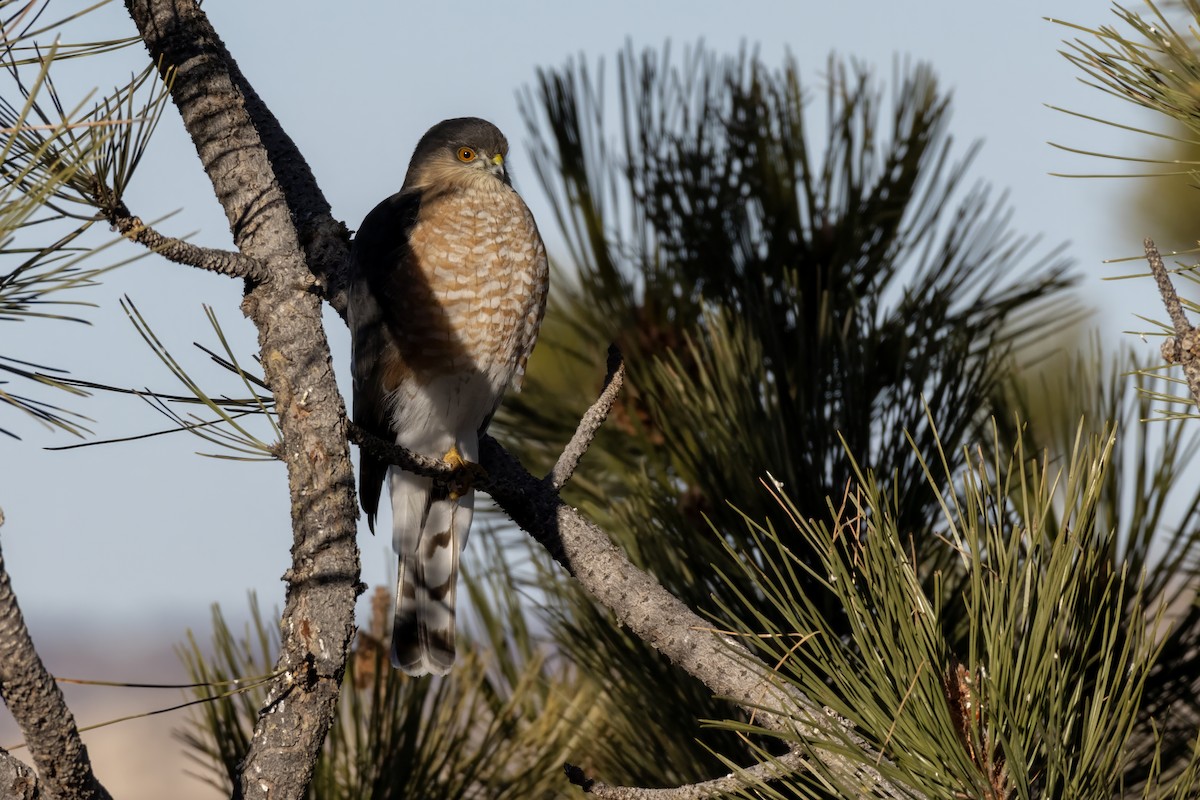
{"x":429,"y":531}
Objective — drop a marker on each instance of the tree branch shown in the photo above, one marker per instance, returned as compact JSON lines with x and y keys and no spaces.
{"x":224,"y":262}
{"x":279,"y":217}
{"x":37,"y":704}
{"x":567,"y":462}
{"x":1184,"y":347}
{"x":787,"y":764}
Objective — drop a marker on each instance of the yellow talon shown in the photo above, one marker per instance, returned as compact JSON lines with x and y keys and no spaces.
{"x":465,"y":474}
{"x":454,"y":458}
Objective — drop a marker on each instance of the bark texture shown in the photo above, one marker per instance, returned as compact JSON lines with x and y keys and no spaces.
{"x":223,"y":262}
{"x":279,"y":217}
{"x":37,"y":705}
{"x":17,"y":780}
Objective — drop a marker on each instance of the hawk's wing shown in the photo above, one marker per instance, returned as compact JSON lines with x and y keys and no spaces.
{"x":377,"y":275}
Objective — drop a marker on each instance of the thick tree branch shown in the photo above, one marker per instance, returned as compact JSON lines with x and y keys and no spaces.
{"x":1184,"y":347}
{"x":37,"y":705}
{"x":279,"y":217}
{"x":568,"y":461}
{"x":224,"y":262}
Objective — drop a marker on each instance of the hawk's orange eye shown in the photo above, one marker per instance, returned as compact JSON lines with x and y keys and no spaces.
{"x":466,"y":154}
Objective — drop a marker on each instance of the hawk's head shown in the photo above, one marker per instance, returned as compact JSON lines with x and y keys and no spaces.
{"x":457,"y":153}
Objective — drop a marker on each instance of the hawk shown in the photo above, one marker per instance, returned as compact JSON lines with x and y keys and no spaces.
{"x":447,"y":291}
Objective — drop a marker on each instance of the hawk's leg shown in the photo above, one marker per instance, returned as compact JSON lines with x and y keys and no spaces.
{"x":465,"y":473}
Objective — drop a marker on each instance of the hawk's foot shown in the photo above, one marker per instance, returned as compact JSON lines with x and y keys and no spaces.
{"x":465,"y":473}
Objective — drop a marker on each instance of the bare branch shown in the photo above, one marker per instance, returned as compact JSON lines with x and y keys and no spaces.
{"x":38,"y":707}
{"x":1166,"y":289}
{"x":787,"y":764}
{"x":1184,"y":347}
{"x":591,"y":422}
{"x":224,"y":262}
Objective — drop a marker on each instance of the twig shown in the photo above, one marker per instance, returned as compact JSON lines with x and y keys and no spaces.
{"x":223,"y":262}
{"x":1166,"y":289}
{"x":37,"y":705}
{"x":67,"y":126}
{"x":591,"y":422}
{"x":390,"y":453}
{"x":787,"y":764}
{"x":1184,"y":347}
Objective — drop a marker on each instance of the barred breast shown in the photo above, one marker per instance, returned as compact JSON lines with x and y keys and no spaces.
{"x":482,"y":269}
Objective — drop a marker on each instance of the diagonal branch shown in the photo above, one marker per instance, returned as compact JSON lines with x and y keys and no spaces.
{"x":1184,"y":347}
{"x":223,"y":262}
{"x":565,"y":467}
{"x":37,"y":704}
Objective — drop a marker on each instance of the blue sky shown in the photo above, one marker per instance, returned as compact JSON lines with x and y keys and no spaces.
{"x":134,"y":537}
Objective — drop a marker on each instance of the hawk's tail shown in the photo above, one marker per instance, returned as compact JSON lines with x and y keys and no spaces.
{"x":430,"y":529}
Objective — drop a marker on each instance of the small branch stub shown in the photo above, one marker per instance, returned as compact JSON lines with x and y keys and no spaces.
{"x":1184,"y":347}
{"x":222,"y":262}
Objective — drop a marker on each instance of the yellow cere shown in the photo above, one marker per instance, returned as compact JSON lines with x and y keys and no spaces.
{"x":498,"y":159}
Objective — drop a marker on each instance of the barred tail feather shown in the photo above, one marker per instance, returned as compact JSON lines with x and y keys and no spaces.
{"x":428,"y":546}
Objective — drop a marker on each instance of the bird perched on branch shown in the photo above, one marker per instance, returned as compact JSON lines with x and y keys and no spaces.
{"x":447,"y":291}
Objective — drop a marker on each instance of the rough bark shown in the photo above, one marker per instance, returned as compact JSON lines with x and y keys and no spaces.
{"x":37,"y":705}
{"x":223,"y":262}
{"x":279,"y":217}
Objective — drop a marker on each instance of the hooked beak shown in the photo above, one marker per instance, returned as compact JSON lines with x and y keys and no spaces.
{"x":496,"y":167}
